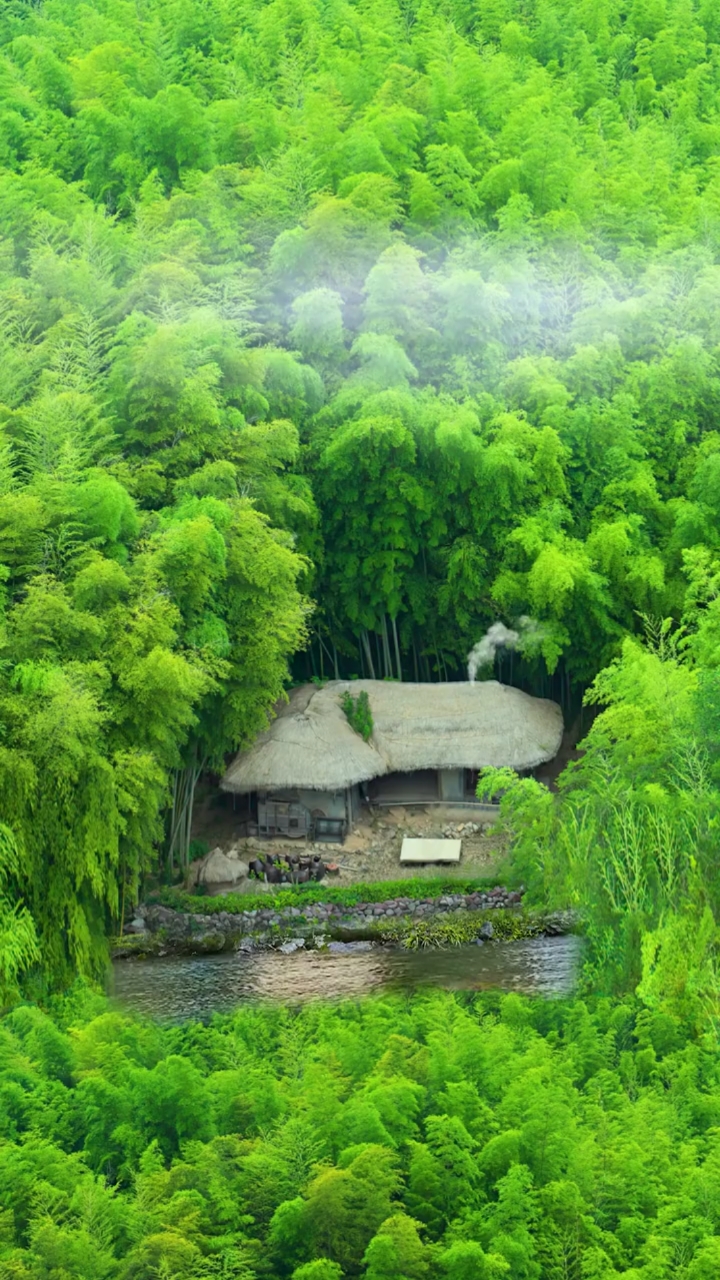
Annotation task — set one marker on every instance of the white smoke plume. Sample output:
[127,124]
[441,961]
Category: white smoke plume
[498,636]
[483,653]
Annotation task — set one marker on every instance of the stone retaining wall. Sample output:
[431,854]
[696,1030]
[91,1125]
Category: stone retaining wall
[161,930]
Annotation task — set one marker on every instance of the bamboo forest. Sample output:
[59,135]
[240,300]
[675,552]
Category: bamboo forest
[367,341]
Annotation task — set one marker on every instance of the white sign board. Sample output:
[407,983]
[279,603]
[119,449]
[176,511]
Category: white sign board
[430,850]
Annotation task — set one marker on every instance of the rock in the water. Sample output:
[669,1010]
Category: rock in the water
[292,944]
[218,868]
[210,942]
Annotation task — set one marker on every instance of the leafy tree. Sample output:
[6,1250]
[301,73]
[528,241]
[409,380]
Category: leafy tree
[396,1252]
[407,310]
[109,1164]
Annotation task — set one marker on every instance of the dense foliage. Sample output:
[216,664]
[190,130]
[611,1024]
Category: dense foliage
[467,252]
[435,1138]
[403,309]
[632,837]
[352,326]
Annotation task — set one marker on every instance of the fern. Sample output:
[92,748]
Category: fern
[19,947]
[7,467]
[662,637]
[79,360]
[63,435]
[66,550]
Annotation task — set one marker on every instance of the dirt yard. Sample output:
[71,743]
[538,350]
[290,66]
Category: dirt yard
[372,851]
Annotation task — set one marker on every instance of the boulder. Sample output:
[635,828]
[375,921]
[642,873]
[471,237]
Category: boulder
[193,871]
[236,851]
[218,868]
[292,944]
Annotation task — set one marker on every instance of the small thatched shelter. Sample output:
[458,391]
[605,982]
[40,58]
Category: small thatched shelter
[311,761]
[308,746]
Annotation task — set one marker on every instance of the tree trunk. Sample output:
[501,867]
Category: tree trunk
[173,811]
[332,657]
[386,648]
[186,780]
[122,902]
[397,649]
[365,639]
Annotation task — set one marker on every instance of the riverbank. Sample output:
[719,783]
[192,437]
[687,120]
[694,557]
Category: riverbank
[444,919]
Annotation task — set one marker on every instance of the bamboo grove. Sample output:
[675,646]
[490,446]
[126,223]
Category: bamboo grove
[330,333]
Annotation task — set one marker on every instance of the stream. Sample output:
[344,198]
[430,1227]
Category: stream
[194,987]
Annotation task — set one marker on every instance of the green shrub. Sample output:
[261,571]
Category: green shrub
[304,895]
[460,929]
[358,713]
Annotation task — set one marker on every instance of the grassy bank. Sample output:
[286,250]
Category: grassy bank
[461,929]
[305,895]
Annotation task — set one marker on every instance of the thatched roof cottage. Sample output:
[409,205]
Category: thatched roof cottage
[311,761]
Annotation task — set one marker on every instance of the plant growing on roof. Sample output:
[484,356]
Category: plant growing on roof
[358,713]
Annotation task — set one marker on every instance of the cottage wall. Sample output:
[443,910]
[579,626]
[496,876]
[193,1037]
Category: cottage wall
[451,784]
[332,803]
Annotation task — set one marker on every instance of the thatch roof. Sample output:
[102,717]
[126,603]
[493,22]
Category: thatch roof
[310,744]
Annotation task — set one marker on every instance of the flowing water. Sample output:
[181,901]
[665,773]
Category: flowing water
[176,988]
